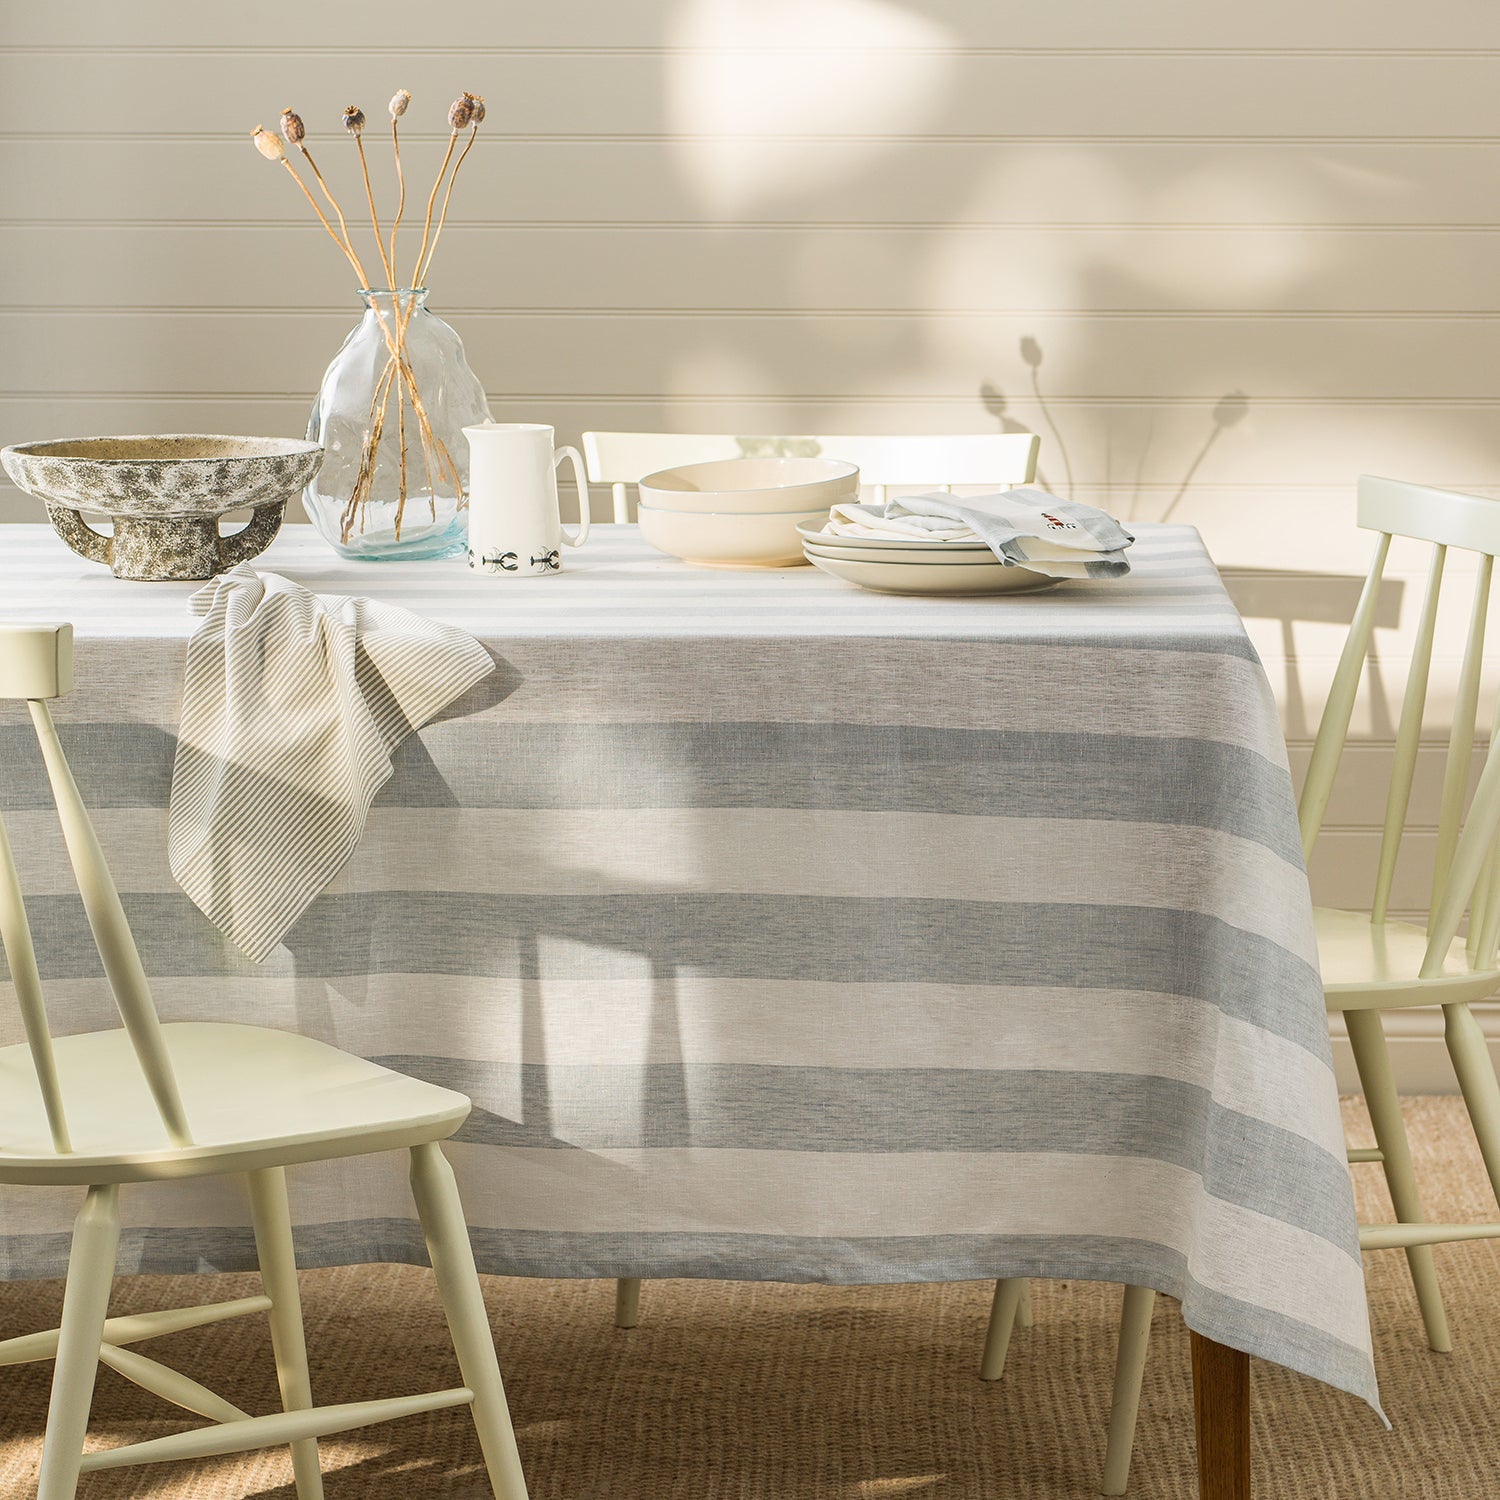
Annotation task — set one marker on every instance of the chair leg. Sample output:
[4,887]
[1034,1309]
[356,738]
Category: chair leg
[447,1234]
[91,1271]
[1007,1300]
[278,1274]
[1130,1370]
[627,1301]
[1476,1081]
[1024,1315]
[1367,1040]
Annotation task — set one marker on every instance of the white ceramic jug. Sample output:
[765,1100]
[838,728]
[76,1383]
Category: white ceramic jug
[515,528]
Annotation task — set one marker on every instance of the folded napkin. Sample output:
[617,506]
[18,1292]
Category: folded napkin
[292,704]
[1024,528]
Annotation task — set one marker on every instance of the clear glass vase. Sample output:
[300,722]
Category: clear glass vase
[390,415]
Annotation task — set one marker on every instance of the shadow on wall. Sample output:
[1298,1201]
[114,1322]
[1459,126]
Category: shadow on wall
[1228,412]
[1318,598]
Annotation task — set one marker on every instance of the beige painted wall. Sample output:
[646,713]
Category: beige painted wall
[1222,258]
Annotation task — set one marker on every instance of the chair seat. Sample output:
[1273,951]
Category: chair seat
[254,1097]
[1370,966]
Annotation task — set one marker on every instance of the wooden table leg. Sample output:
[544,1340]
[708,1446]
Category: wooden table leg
[1221,1401]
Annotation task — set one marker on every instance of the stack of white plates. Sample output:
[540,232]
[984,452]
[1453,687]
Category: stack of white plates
[891,565]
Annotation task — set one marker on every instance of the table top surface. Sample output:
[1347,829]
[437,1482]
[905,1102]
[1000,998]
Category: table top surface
[617,585]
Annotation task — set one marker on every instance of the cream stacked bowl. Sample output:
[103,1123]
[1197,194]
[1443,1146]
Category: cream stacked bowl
[742,512]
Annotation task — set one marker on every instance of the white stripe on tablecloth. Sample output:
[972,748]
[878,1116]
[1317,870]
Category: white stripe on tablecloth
[834,1195]
[619,586]
[791,852]
[766,1023]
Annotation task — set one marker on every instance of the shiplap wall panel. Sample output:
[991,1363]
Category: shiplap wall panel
[919,180]
[1132,458]
[583,92]
[1223,258]
[1081,272]
[470,26]
[807,354]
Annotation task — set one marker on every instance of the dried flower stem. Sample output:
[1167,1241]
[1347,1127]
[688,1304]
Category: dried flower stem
[364,167]
[431,200]
[443,217]
[333,203]
[322,217]
[434,450]
[401,185]
[401,448]
[365,479]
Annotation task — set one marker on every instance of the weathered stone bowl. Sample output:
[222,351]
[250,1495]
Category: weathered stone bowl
[165,496]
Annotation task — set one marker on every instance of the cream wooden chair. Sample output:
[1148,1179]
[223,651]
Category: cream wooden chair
[159,1103]
[1371,963]
[1002,460]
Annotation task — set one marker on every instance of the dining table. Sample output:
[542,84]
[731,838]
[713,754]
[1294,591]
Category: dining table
[779,930]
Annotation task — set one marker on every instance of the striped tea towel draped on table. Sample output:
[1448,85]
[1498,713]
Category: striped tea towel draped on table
[292,704]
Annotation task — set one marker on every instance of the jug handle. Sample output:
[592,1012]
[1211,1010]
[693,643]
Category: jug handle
[581,480]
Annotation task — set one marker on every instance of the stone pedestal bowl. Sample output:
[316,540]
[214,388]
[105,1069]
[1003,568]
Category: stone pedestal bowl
[165,496]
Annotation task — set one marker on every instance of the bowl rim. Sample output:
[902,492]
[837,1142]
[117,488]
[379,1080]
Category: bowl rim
[730,515]
[46,448]
[850,471]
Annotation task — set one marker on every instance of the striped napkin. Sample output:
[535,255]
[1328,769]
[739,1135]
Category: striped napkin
[292,705]
[1024,528]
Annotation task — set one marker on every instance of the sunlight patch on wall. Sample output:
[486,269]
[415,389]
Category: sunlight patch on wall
[1028,185]
[754,75]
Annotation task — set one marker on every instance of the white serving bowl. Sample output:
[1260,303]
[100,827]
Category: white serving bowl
[927,578]
[753,485]
[728,539]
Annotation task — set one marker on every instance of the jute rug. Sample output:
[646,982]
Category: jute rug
[768,1392]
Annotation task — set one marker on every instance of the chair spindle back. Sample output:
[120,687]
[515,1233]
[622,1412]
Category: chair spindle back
[36,665]
[1465,876]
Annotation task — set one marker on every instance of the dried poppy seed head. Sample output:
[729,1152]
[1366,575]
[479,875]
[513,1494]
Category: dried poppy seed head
[268,144]
[461,111]
[477,100]
[354,119]
[399,100]
[292,127]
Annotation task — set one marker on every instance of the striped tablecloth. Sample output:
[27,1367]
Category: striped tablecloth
[778,930]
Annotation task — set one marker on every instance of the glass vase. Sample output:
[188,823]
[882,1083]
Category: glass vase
[390,415]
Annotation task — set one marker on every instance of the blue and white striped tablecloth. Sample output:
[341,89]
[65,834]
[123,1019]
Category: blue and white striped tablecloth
[778,930]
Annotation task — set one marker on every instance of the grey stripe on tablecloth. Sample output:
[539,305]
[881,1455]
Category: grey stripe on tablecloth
[909,1109]
[782,930]
[855,768]
[1159,695]
[840,939]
